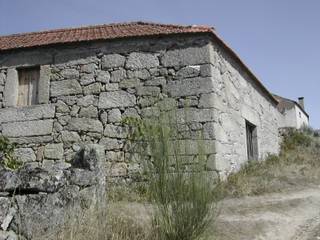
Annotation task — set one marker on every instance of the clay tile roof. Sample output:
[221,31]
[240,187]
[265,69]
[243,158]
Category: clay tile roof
[98,32]
[115,31]
[287,104]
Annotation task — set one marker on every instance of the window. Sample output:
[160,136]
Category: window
[252,141]
[28,86]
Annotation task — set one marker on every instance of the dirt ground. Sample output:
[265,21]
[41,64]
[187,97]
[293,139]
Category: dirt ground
[292,215]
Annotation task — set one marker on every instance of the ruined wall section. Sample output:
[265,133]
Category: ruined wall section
[237,98]
[92,87]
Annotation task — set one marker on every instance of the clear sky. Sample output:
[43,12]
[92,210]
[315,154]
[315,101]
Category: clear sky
[278,39]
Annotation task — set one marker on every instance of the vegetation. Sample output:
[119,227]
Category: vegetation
[297,165]
[179,188]
[7,158]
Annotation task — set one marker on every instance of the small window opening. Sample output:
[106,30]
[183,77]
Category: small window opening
[252,141]
[28,86]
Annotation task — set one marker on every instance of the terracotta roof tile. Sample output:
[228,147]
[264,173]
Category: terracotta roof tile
[99,32]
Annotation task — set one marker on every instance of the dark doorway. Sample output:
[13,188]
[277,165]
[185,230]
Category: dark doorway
[252,141]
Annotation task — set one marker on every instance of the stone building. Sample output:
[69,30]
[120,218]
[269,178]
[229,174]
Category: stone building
[62,88]
[294,113]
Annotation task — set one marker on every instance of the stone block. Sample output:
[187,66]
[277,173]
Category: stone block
[28,128]
[88,112]
[93,88]
[85,124]
[141,74]
[26,113]
[30,140]
[116,99]
[103,76]
[113,131]
[114,116]
[111,143]
[70,137]
[118,75]
[88,68]
[69,73]
[65,87]
[87,79]
[112,61]
[86,101]
[138,60]
[129,83]
[44,84]
[11,88]
[186,56]
[25,154]
[148,91]
[188,72]
[189,87]
[53,151]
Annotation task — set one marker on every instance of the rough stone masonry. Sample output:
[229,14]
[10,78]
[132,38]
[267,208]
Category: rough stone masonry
[87,89]
[43,202]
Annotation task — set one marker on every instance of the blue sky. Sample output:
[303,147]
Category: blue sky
[278,39]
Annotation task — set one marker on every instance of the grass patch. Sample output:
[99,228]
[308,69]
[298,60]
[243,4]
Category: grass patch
[297,165]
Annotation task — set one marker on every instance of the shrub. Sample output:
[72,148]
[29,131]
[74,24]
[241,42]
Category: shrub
[296,138]
[7,158]
[181,189]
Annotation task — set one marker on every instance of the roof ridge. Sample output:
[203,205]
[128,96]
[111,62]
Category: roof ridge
[143,23]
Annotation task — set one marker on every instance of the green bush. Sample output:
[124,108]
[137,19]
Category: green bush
[180,188]
[295,139]
[7,158]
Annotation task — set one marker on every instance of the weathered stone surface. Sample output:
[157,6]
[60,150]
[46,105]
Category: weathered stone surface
[53,151]
[69,73]
[44,84]
[103,76]
[113,131]
[116,99]
[93,88]
[87,79]
[86,101]
[188,72]
[65,87]
[85,124]
[28,128]
[61,107]
[25,154]
[70,137]
[111,143]
[112,61]
[148,91]
[188,87]
[129,83]
[88,68]
[141,74]
[114,116]
[88,112]
[186,56]
[195,115]
[11,88]
[118,75]
[46,198]
[26,113]
[138,60]
[159,81]
[28,140]
[206,101]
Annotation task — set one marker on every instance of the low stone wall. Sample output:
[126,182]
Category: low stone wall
[39,202]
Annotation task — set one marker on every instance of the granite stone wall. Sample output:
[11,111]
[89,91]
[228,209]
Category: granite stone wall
[85,91]
[238,99]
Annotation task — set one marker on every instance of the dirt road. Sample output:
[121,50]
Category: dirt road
[282,216]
